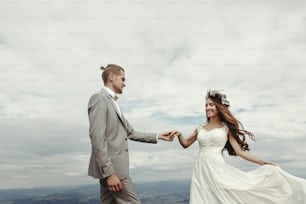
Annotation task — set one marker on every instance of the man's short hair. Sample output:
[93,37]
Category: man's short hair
[110,68]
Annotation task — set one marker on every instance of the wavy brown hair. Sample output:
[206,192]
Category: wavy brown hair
[235,127]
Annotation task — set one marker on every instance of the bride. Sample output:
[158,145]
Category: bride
[216,182]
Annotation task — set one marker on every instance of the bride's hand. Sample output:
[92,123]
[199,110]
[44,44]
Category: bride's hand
[268,163]
[175,133]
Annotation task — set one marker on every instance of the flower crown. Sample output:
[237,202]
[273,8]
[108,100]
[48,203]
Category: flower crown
[215,94]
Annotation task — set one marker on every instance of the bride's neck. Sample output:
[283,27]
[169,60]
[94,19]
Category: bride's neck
[215,120]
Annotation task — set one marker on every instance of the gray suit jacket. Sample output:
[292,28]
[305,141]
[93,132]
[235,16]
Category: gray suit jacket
[109,131]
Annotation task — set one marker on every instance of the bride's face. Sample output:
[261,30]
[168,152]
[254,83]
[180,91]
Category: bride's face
[210,108]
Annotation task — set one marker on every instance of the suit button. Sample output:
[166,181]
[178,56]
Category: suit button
[125,139]
[126,150]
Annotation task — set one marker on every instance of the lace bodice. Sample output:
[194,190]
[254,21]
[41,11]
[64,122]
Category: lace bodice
[214,139]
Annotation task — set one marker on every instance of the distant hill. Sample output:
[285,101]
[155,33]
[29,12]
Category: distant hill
[163,192]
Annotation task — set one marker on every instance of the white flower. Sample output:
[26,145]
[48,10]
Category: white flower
[216,94]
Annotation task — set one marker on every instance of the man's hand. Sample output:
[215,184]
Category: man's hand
[114,183]
[167,136]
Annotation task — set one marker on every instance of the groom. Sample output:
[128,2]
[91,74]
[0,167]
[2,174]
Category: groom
[109,132]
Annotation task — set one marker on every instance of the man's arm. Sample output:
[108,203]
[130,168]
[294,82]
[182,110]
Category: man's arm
[97,121]
[148,137]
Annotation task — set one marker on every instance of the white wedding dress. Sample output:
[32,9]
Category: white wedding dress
[216,182]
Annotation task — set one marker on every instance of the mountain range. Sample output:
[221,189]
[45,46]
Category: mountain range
[162,192]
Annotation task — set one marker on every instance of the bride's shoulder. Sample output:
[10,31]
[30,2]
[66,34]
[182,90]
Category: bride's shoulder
[225,126]
[201,126]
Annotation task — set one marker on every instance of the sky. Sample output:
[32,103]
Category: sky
[173,52]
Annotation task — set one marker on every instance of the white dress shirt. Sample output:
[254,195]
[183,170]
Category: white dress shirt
[113,95]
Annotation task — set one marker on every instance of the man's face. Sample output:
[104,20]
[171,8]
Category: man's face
[118,82]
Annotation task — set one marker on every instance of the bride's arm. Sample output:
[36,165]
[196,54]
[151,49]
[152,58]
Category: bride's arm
[189,141]
[245,154]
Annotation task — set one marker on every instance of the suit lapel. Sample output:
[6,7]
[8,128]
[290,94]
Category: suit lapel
[124,121]
[121,118]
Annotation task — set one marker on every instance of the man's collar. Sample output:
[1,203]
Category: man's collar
[110,92]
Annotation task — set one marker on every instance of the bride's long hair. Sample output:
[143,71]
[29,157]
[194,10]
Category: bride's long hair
[235,127]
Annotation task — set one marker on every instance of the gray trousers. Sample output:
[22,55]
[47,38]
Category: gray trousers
[127,195]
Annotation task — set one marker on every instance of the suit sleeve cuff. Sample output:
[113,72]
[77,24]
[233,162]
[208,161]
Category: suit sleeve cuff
[108,171]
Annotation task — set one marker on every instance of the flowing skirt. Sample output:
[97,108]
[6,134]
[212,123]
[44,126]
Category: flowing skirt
[216,182]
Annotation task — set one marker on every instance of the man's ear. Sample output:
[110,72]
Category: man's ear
[111,77]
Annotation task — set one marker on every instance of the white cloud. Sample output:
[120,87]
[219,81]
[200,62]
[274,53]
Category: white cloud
[172,51]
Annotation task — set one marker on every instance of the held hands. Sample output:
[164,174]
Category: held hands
[168,136]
